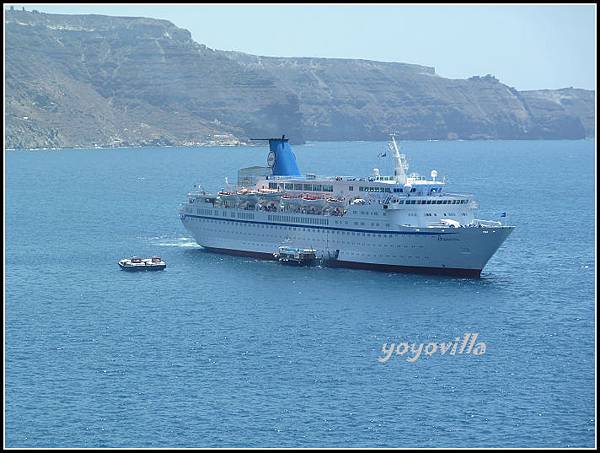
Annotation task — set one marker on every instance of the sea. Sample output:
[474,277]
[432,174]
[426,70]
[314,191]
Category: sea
[223,351]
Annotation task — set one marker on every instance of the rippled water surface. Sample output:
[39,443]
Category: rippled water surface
[228,351]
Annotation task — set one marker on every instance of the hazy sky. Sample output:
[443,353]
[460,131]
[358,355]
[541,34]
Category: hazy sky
[527,47]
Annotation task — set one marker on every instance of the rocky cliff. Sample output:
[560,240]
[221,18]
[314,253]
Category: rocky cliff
[549,106]
[85,80]
[89,80]
[366,100]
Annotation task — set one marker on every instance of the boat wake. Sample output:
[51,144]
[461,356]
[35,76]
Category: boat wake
[178,242]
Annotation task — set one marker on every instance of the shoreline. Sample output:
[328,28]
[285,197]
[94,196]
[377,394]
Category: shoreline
[243,144]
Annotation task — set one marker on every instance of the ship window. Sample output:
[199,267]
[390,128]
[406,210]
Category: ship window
[308,187]
[289,186]
[297,186]
[317,187]
[351,188]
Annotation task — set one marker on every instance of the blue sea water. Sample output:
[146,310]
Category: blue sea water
[221,351]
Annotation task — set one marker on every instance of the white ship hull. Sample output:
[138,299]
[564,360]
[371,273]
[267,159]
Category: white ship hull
[455,251]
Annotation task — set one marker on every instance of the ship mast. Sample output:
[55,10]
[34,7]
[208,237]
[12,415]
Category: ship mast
[400,163]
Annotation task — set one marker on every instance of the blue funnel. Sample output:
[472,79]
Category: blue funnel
[285,159]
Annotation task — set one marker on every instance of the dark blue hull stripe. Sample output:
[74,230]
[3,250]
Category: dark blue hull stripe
[322,227]
[455,272]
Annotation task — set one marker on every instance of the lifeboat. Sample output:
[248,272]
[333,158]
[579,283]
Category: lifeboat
[291,200]
[251,197]
[229,198]
[266,194]
[314,201]
[336,202]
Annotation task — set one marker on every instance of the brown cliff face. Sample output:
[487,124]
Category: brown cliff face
[548,106]
[85,80]
[81,81]
[366,100]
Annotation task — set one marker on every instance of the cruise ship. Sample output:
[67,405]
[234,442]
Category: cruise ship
[401,222]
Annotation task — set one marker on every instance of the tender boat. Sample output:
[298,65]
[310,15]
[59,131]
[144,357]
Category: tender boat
[296,256]
[136,263]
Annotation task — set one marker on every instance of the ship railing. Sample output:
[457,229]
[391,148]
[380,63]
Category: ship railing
[485,223]
[292,209]
[454,194]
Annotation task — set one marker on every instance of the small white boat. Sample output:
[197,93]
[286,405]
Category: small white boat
[136,263]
